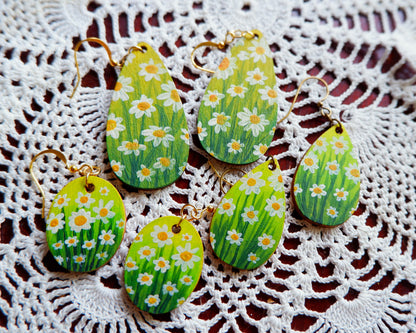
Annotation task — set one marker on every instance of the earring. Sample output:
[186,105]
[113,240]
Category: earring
[147,132]
[326,185]
[164,262]
[238,112]
[86,222]
[248,223]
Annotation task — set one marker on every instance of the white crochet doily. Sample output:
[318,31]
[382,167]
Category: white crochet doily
[359,277]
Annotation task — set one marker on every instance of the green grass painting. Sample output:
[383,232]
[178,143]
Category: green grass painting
[327,182]
[147,133]
[238,113]
[248,223]
[162,268]
[84,230]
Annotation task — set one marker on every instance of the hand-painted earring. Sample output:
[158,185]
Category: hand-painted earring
[147,133]
[86,222]
[238,113]
[248,223]
[164,263]
[326,185]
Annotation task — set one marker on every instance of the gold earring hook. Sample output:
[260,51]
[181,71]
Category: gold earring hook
[229,38]
[195,214]
[110,57]
[221,177]
[319,103]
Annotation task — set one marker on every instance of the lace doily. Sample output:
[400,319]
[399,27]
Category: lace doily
[357,277]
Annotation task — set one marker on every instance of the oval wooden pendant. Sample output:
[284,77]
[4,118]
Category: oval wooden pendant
[248,223]
[147,133]
[238,113]
[84,230]
[162,268]
[326,185]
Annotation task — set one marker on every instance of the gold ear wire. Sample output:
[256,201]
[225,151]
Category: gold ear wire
[221,177]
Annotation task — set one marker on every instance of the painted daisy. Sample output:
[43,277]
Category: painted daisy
[180,301]
[55,222]
[353,173]
[59,259]
[185,135]
[169,288]
[130,265]
[269,94]
[235,146]
[129,59]
[142,106]
[243,55]
[89,244]
[226,207]
[339,145]
[58,245]
[275,206]
[185,257]
[121,88]
[310,162]
[84,200]
[266,241]
[71,241]
[234,237]
[212,98]
[318,191]
[332,167]
[256,77]
[297,189]
[131,147]
[146,252]
[320,145]
[161,265]
[220,121]
[106,237]
[332,212]
[138,238]
[276,180]
[164,163]
[252,183]
[61,201]
[161,235]
[101,255]
[202,131]
[145,173]
[104,212]
[236,91]
[186,280]
[226,68]
[145,279]
[341,194]
[260,149]
[151,70]
[251,121]
[80,220]
[170,96]
[114,126]
[250,215]
[152,300]
[252,257]
[259,51]
[182,168]
[186,237]
[79,259]
[159,135]
[121,224]
[117,168]
[129,290]
[104,191]
[212,239]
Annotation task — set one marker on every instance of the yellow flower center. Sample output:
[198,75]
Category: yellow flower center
[152,300]
[280,179]
[146,172]
[83,199]
[309,161]
[164,161]
[254,119]
[143,106]
[132,145]
[199,129]
[339,144]
[181,301]
[58,245]
[272,93]
[226,206]
[71,241]
[186,280]
[263,149]
[340,194]
[238,90]
[251,215]
[121,224]
[221,119]
[130,264]
[187,135]
[115,168]
[234,237]
[257,77]
[332,212]
[317,190]
[213,98]
[103,212]
[253,258]
[211,239]
[162,236]
[251,182]
[265,241]
[107,237]
[275,206]
[61,201]
[161,264]
[146,252]
[88,244]
[151,69]
[295,188]
[319,143]
[159,133]
[129,290]
[54,223]
[79,259]
[80,220]
[332,167]
[175,96]
[355,173]
[186,237]
[260,50]
[169,288]
[235,145]
[111,124]
[225,63]
[145,278]
[186,255]
[118,86]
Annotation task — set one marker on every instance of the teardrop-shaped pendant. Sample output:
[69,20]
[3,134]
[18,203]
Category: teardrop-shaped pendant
[238,113]
[162,267]
[147,133]
[326,186]
[248,223]
[84,229]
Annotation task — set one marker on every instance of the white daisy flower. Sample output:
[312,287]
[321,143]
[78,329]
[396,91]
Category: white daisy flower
[121,224]
[101,255]
[185,257]
[297,189]
[130,265]
[226,207]
[186,280]
[145,279]
[310,162]
[212,239]
[170,288]
[250,215]
[131,147]
[130,290]
[145,173]
[161,265]
[202,131]
[266,241]
[114,126]
[122,88]
[180,301]
[318,191]
[170,96]
[59,259]
[58,245]
[117,168]
[104,212]
[276,180]
[332,167]
[226,68]
[275,206]
[182,168]
[55,222]
[252,257]
[269,94]
[320,145]
[260,149]
[151,70]
[71,241]
[130,59]
[235,146]
[80,220]
[138,238]
[89,244]
[353,173]
[162,235]
[251,121]
[252,183]
[61,201]
[79,259]
[260,51]
[142,106]
[243,55]
[341,194]
[158,135]
[236,91]
[146,252]
[234,237]
[152,300]
[212,98]
[256,77]
[104,191]
[106,237]
[84,200]
[339,145]
[220,121]
[186,237]
[164,163]
[185,135]
[332,212]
